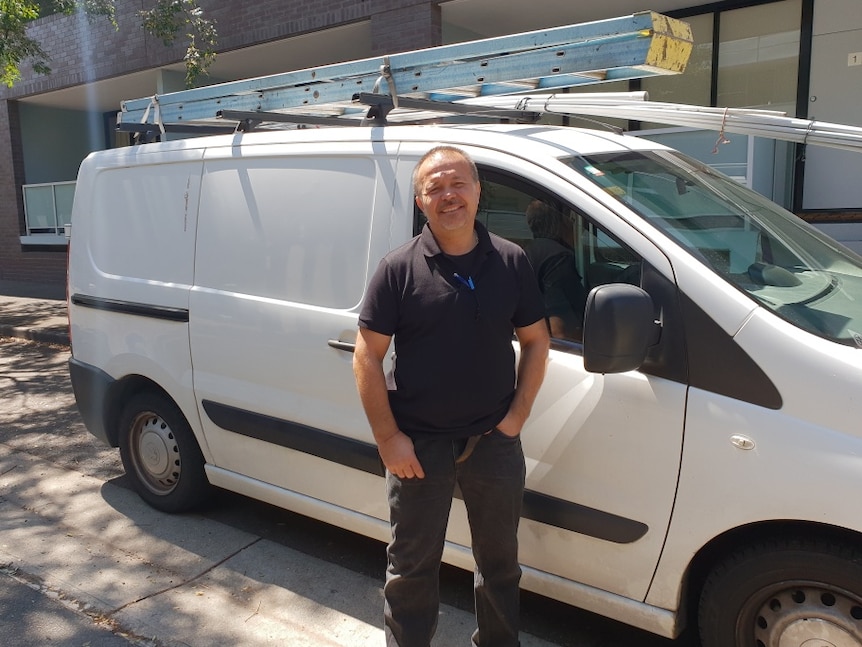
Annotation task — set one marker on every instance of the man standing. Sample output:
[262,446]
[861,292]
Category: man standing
[454,408]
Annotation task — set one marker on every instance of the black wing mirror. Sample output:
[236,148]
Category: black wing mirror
[619,328]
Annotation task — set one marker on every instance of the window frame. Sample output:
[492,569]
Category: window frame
[59,236]
[590,230]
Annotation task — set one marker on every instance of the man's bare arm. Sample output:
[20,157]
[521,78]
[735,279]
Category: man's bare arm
[535,342]
[395,447]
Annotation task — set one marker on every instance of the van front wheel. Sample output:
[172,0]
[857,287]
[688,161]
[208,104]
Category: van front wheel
[791,592]
[160,454]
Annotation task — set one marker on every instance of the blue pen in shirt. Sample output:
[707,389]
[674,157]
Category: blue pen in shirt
[468,281]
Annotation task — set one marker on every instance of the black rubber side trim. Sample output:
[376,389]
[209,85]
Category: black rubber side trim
[91,386]
[323,444]
[716,363]
[363,456]
[131,308]
[581,519]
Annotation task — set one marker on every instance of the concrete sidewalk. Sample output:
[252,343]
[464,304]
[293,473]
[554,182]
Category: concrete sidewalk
[175,579]
[34,311]
[171,580]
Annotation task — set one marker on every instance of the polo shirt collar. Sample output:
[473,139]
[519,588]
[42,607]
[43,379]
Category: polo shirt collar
[430,247]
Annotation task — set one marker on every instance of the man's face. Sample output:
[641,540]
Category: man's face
[447,193]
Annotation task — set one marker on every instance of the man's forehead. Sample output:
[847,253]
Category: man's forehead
[445,166]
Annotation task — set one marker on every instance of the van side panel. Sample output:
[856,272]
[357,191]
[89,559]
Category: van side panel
[283,256]
[131,266]
[803,461]
[292,229]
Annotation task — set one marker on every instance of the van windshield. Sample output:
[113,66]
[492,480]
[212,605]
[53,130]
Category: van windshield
[768,253]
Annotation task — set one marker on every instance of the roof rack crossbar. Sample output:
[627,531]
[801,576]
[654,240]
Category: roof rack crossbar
[198,129]
[250,120]
[380,106]
[444,107]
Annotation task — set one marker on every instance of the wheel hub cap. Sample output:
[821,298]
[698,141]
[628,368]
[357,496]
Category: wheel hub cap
[815,633]
[154,452]
[158,454]
[809,616]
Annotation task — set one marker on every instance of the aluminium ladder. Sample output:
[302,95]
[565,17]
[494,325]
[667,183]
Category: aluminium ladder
[642,44]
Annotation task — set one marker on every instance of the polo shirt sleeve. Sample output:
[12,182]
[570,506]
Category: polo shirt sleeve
[379,311]
[531,305]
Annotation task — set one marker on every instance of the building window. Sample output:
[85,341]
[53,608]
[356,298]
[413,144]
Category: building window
[756,64]
[745,57]
[758,56]
[47,209]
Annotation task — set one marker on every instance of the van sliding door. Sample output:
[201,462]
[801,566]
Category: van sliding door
[287,237]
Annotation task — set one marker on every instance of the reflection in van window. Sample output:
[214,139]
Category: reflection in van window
[767,252]
[569,254]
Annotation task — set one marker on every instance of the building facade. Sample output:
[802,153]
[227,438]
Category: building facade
[803,57]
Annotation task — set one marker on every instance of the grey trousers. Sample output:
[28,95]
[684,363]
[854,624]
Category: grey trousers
[491,481]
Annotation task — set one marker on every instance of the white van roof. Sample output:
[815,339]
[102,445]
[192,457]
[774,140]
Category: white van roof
[535,141]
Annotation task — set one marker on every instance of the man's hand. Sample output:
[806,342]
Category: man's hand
[511,424]
[398,456]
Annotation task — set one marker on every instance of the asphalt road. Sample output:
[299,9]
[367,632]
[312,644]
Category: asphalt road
[38,416]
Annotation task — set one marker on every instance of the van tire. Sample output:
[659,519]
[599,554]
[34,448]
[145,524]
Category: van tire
[160,454]
[784,592]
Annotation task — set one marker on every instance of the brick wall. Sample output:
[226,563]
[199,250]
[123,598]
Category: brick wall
[16,265]
[82,50]
[401,29]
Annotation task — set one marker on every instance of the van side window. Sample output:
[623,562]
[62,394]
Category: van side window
[569,253]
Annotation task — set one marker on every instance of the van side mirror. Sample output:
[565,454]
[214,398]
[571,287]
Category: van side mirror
[619,328]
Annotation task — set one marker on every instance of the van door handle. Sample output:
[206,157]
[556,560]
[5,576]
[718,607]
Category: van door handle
[342,345]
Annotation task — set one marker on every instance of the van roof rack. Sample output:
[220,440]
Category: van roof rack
[430,82]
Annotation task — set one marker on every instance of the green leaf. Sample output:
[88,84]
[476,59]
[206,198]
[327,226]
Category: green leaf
[166,20]
[170,17]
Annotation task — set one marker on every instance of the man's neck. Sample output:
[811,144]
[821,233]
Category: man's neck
[457,243]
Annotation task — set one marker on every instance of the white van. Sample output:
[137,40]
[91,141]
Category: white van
[696,457]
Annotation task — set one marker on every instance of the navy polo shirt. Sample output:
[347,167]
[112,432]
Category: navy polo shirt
[455,366]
